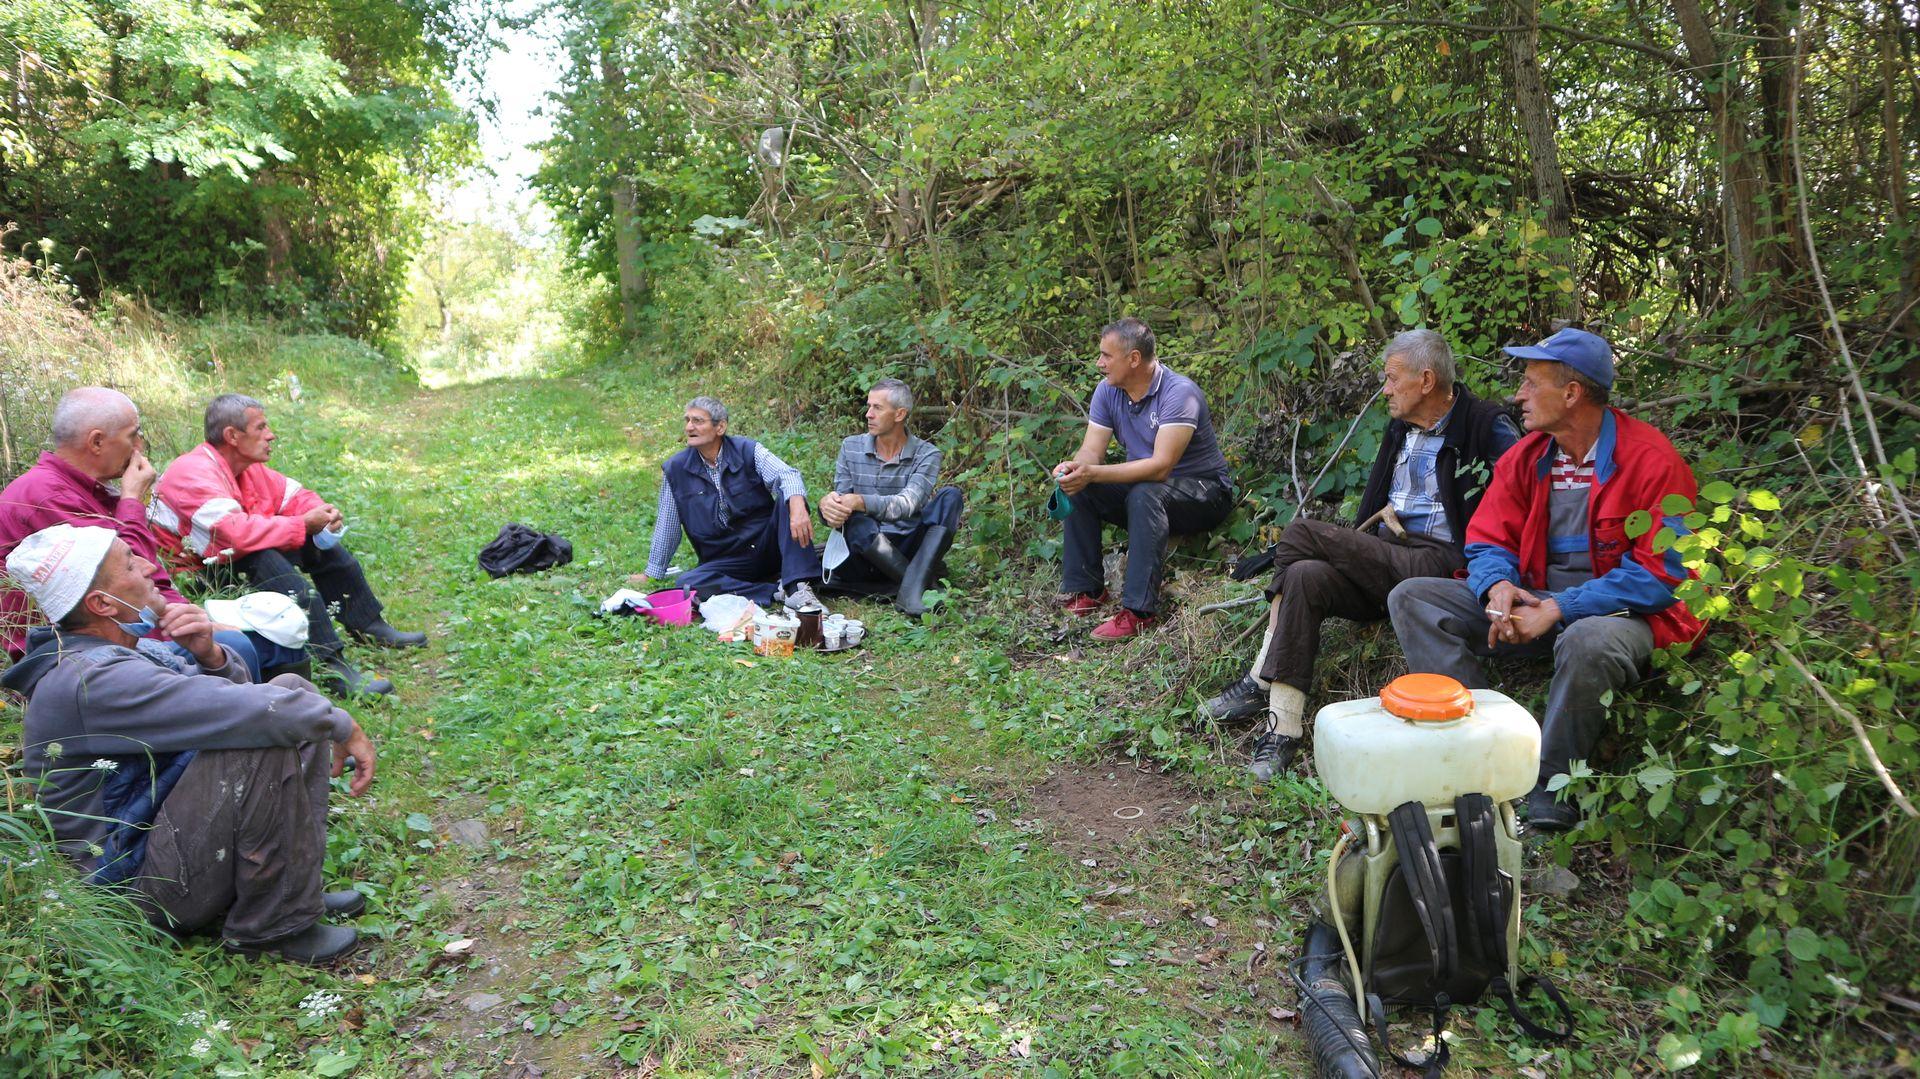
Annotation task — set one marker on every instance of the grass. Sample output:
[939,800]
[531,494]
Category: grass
[697,862]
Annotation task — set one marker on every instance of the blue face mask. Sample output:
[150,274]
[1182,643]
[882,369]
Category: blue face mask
[149,620]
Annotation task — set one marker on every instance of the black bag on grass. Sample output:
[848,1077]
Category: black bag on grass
[519,549]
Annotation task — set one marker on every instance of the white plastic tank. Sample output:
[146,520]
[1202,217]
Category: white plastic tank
[1426,739]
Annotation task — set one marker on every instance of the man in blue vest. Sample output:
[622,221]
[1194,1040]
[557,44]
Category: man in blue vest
[724,493]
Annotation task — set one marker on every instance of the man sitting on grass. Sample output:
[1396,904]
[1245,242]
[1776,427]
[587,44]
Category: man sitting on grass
[221,504]
[1551,568]
[1174,480]
[202,793]
[1437,455]
[725,493]
[885,504]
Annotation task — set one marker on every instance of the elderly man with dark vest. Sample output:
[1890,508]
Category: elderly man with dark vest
[1435,459]
[725,493]
[1553,567]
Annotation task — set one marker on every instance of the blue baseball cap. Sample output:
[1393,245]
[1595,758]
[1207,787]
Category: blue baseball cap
[1585,352]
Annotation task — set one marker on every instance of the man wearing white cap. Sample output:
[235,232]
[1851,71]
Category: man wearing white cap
[201,792]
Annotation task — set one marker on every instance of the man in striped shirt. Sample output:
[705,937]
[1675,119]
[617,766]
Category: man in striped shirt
[725,493]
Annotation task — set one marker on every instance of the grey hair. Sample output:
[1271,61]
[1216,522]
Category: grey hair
[715,411]
[228,410]
[1594,392]
[88,409]
[899,394]
[1134,335]
[1423,350]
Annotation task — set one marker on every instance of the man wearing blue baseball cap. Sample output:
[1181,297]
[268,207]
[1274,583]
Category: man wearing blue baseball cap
[1551,566]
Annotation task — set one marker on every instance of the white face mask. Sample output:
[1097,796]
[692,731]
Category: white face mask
[836,551]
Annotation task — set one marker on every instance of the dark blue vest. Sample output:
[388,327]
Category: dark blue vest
[749,504]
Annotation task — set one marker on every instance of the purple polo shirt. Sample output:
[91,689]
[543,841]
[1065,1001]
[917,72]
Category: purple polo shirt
[1172,400]
[54,492]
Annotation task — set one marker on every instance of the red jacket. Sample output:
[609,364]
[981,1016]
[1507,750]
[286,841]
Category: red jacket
[54,492]
[1634,468]
[203,513]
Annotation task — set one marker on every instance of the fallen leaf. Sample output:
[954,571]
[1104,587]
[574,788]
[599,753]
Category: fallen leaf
[459,947]
[1022,1048]
[367,979]
[746,662]
[1281,1014]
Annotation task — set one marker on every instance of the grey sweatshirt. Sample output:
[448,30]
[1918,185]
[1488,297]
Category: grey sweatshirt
[109,729]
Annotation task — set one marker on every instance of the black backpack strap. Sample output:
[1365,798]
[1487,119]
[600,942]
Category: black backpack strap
[1426,881]
[1487,913]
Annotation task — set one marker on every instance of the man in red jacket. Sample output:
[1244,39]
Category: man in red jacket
[221,505]
[1551,566]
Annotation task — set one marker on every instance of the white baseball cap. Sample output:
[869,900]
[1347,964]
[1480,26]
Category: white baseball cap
[273,615]
[56,565]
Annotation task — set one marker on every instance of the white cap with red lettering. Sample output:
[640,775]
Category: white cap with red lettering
[56,565]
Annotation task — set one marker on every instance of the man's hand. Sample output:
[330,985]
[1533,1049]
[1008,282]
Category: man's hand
[1503,600]
[836,508]
[188,626]
[137,481]
[1072,476]
[801,521]
[360,748]
[1534,621]
[319,517]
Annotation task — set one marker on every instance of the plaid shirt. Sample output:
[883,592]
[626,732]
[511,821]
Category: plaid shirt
[1415,495]
[894,490]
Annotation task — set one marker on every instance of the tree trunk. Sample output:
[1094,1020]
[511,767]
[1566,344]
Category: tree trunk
[1742,191]
[1535,108]
[620,191]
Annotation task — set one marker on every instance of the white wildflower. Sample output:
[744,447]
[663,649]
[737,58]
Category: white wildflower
[194,1019]
[319,1004]
[105,765]
[222,1026]
[201,1047]
[53,751]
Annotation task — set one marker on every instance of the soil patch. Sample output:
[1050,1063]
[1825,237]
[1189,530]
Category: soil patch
[1098,811]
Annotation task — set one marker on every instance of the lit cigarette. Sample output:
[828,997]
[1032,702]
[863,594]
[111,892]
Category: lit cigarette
[1497,616]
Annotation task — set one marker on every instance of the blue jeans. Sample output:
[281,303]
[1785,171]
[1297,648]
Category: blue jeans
[239,643]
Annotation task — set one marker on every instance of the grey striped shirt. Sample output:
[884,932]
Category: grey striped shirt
[893,490]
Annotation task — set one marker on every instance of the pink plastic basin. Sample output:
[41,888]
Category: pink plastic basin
[670,607]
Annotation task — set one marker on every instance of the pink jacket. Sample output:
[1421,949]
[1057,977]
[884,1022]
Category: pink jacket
[203,513]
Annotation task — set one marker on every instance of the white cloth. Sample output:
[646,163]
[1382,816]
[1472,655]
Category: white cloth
[274,615]
[56,565]
[626,597]
[836,553]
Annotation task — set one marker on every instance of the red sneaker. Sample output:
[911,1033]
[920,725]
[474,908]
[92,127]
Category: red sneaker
[1121,626]
[1079,603]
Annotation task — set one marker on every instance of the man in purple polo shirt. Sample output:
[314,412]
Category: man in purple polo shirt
[1174,480]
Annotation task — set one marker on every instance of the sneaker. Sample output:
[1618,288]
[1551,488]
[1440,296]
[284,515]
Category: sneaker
[1546,814]
[316,945]
[1272,754]
[1239,702]
[1123,625]
[800,597]
[1083,605]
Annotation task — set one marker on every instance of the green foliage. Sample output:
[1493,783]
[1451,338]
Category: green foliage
[231,153]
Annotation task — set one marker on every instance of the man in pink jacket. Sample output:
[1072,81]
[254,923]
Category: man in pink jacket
[222,505]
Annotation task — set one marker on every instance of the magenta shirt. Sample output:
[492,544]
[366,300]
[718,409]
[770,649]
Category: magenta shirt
[54,492]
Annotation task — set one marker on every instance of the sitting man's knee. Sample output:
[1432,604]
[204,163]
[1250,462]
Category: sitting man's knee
[1303,573]
[1146,495]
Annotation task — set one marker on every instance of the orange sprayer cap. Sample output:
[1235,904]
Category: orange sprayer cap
[1426,697]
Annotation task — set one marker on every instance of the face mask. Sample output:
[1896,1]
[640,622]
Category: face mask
[149,620]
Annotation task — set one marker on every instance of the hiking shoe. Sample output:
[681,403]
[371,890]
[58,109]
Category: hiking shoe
[1546,814]
[800,597]
[1122,626]
[1082,605]
[381,633]
[1239,702]
[316,945]
[1272,754]
[344,903]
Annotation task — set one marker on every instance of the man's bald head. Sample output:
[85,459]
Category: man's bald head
[88,409]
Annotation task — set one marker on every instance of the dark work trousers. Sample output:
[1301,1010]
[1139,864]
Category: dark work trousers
[1150,512]
[336,579]
[244,833]
[1442,627]
[856,576]
[1323,570]
[775,558]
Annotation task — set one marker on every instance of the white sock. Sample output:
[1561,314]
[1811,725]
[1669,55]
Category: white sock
[1266,641]
[1286,710]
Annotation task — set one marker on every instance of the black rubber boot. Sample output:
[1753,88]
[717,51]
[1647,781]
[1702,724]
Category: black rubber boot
[316,945]
[344,903]
[913,583]
[378,632]
[342,679]
[884,557]
[304,669]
